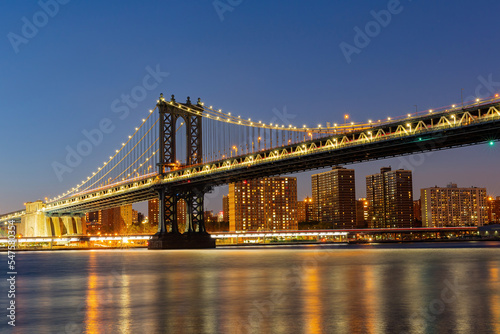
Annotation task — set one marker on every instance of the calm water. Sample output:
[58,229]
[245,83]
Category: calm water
[420,288]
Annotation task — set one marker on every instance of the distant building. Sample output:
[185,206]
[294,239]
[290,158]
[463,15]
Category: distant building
[305,212]
[362,207]
[140,217]
[153,211]
[494,210]
[135,216]
[417,209]
[390,197]
[214,222]
[453,206]
[334,197]
[225,208]
[116,220]
[92,217]
[210,217]
[93,223]
[263,204]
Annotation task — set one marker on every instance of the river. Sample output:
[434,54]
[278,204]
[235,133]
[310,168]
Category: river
[402,288]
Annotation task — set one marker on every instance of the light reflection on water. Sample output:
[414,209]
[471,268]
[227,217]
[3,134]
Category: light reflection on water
[323,289]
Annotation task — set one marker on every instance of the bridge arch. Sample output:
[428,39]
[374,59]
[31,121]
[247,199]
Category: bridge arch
[170,113]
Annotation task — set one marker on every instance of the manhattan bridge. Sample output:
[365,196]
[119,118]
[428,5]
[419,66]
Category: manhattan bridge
[181,150]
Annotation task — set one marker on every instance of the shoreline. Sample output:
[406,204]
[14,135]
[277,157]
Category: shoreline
[274,244]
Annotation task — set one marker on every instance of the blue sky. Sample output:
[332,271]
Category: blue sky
[249,57]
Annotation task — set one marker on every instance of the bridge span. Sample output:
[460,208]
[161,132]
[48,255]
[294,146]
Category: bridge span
[147,166]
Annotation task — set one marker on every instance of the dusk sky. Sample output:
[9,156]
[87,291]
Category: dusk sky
[61,73]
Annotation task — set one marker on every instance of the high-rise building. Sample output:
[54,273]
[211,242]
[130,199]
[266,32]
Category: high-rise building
[225,208]
[334,197]
[263,204]
[153,211]
[305,210]
[494,210]
[92,222]
[453,206]
[116,220]
[390,198]
[135,216]
[362,207]
[417,212]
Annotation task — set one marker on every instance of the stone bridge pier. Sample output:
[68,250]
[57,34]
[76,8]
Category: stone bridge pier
[36,223]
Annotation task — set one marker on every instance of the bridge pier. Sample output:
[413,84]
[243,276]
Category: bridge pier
[36,223]
[168,235]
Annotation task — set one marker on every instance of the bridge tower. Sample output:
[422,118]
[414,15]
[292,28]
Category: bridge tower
[168,235]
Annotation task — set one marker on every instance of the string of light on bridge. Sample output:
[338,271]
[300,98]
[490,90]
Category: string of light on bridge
[224,136]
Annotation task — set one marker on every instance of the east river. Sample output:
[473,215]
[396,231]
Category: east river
[409,288]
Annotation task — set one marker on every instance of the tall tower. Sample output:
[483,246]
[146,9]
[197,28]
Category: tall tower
[334,197]
[390,197]
[192,115]
[168,195]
